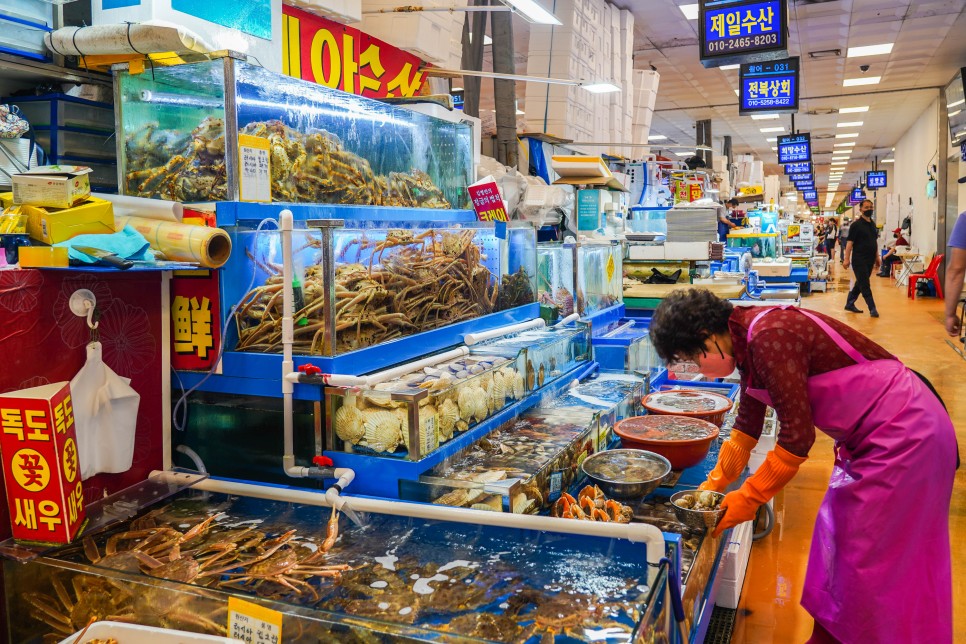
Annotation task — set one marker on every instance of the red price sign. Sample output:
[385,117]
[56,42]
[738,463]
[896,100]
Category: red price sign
[487,202]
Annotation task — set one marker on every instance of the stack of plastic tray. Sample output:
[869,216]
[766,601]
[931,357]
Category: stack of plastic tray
[74,131]
[23,24]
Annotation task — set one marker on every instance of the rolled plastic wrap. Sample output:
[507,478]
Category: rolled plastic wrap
[124,39]
[148,208]
[209,247]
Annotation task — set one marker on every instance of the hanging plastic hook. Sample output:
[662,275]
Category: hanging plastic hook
[83,303]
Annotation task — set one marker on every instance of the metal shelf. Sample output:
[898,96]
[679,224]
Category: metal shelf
[15,68]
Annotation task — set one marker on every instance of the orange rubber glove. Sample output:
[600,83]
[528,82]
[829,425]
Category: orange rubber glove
[732,460]
[779,468]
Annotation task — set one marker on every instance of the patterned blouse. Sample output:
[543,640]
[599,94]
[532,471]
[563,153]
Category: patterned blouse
[786,349]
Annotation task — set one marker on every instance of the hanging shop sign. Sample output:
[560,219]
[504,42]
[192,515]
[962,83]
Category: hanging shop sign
[771,86]
[195,320]
[340,57]
[805,176]
[857,196]
[809,195]
[805,185]
[742,31]
[41,472]
[794,148]
[875,179]
[801,167]
[487,201]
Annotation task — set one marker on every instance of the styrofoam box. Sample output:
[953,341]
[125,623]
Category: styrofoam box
[734,564]
[134,634]
[343,11]
[687,250]
[640,251]
[426,35]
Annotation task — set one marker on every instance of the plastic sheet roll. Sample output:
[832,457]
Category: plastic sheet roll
[146,208]
[124,39]
[209,247]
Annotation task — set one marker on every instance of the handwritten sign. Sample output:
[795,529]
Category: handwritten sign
[254,169]
[252,623]
[340,57]
[487,201]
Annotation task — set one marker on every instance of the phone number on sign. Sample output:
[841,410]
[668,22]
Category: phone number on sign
[769,102]
[742,43]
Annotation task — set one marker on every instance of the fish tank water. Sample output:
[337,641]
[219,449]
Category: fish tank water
[389,280]
[389,579]
[183,128]
[582,277]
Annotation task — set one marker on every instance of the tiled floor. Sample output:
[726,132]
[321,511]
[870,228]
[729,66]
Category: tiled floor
[769,610]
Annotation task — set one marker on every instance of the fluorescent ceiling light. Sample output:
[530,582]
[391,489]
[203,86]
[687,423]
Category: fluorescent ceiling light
[457,89]
[870,80]
[952,114]
[690,11]
[959,102]
[775,149]
[839,163]
[656,137]
[773,139]
[763,117]
[601,88]
[853,110]
[850,124]
[521,113]
[888,160]
[847,135]
[685,154]
[850,144]
[487,40]
[725,66]
[765,130]
[870,50]
[533,12]
[840,158]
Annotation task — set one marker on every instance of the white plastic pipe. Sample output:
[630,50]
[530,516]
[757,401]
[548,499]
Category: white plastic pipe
[473,338]
[626,325]
[634,532]
[340,380]
[288,335]
[573,317]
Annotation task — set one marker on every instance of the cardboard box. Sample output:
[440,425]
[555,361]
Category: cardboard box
[38,447]
[43,257]
[52,226]
[52,186]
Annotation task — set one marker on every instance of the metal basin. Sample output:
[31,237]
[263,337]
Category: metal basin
[617,484]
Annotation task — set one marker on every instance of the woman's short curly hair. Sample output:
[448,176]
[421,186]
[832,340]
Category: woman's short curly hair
[685,320]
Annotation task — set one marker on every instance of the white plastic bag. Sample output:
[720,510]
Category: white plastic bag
[105,416]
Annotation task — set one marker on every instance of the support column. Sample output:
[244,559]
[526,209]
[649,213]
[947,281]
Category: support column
[474,27]
[703,137]
[504,91]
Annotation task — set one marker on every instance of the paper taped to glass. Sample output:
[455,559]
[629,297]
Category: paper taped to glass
[209,247]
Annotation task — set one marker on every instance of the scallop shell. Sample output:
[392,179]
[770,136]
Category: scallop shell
[485,507]
[381,398]
[383,430]
[513,383]
[521,503]
[482,405]
[462,425]
[348,424]
[449,413]
[474,369]
[497,392]
[469,403]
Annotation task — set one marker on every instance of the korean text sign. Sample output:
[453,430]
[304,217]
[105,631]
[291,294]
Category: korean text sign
[770,86]
[875,179]
[195,320]
[801,167]
[857,196]
[487,201]
[340,57]
[38,445]
[742,30]
[794,148]
[805,176]
[809,195]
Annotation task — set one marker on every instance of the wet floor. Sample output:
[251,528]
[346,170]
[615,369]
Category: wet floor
[769,610]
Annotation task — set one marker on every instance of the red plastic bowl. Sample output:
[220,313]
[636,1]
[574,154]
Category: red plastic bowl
[677,401]
[656,433]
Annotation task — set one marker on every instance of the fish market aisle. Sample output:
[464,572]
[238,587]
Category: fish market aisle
[769,610]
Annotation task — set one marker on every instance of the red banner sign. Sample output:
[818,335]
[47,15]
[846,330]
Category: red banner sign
[340,57]
[487,202]
[195,320]
[38,443]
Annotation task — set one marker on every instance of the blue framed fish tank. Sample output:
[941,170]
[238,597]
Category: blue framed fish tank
[181,132]
[579,277]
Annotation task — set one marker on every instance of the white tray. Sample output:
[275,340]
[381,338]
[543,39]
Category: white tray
[135,634]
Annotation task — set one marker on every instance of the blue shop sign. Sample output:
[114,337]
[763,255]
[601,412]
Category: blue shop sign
[875,179]
[857,196]
[770,86]
[798,168]
[739,31]
[794,148]
[805,176]
[809,195]
[805,185]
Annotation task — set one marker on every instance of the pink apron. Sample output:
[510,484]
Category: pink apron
[879,569]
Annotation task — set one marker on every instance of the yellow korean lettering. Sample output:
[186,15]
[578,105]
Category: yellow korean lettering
[25,514]
[324,42]
[786,88]
[49,511]
[12,422]
[765,16]
[405,81]
[181,314]
[718,24]
[748,22]
[350,68]
[370,59]
[734,23]
[37,424]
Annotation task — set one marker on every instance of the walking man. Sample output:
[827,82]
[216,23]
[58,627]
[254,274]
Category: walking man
[843,237]
[862,253]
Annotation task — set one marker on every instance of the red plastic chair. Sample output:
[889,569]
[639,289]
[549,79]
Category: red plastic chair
[932,273]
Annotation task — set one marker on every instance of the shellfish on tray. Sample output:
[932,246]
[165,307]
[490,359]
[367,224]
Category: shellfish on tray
[383,430]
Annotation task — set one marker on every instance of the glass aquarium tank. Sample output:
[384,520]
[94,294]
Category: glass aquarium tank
[626,345]
[413,414]
[549,352]
[616,394]
[760,245]
[366,283]
[520,467]
[189,132]
[579,277]
[389,579]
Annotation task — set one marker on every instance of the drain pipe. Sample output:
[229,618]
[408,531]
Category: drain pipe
[573,317]
[634,532]
[474,338]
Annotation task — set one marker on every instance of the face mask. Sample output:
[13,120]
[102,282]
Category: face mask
[867,213]
[716,365]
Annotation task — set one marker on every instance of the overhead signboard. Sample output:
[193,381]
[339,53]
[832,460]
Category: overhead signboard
[805,176]
[771,86]
[798,168]
[809,195]
[742,31]
[857,196]
[794,148]
[875,179]
[805,185]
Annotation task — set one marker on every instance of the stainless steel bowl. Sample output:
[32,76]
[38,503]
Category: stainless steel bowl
[697,519]
[623,489]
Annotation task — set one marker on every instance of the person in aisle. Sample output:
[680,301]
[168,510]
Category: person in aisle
[862,254]
[955,272]
[725,224]
[895,459]
[843,237]
[831,237]
[891,257]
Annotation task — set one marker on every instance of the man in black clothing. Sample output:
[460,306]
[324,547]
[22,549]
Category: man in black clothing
[862,252]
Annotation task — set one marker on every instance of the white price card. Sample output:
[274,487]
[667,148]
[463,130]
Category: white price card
[252,623]
[254,169]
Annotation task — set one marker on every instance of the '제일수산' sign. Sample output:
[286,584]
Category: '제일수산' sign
[739,31]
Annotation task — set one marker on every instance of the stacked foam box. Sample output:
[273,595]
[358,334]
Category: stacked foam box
[436,37]
[343,11]
[646,82]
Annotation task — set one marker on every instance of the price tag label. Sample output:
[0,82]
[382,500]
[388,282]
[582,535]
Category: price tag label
[611,267]
[254,169]
[252,623]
